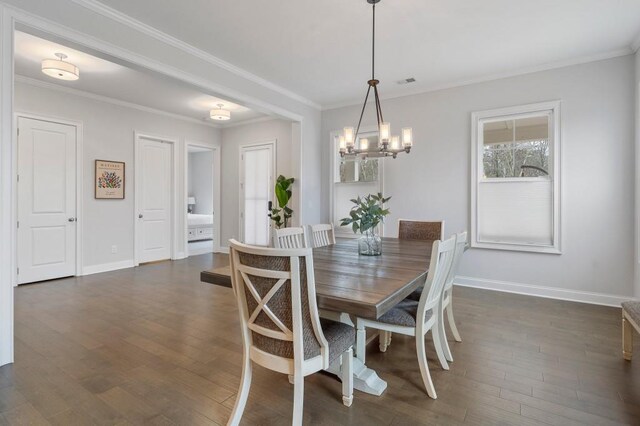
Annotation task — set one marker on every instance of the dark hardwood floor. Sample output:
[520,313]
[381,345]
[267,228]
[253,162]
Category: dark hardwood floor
[153,345]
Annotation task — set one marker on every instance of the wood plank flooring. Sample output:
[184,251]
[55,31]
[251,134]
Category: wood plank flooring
[153,345]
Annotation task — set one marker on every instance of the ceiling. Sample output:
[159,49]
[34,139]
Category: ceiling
[104,78]
[321,49]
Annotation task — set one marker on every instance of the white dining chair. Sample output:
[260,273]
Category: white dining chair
[322,235]
[417,318]
[281,328]
[290,238]
[447,296]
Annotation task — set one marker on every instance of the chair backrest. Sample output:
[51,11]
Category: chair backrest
[441,258]
[461,243]
[420,230]
[322,235]
[276,295]
[290,238]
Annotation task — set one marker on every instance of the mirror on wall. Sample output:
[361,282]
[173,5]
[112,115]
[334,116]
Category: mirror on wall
[358,169]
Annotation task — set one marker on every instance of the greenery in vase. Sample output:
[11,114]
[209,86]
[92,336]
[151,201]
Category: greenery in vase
[367,213]
[282,213]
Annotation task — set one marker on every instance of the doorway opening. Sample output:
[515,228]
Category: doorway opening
[202,215]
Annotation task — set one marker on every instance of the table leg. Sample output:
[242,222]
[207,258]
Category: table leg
[364,379]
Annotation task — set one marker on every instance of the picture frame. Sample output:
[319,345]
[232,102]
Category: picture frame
[109,180]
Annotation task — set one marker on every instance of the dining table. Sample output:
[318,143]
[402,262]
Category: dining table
[350,285]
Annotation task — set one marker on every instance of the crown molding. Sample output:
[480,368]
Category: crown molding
[249,121]
[115,15]
[498,76]
[52,86]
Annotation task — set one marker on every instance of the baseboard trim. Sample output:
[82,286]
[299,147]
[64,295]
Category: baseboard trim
[541,291]
[223,249]
[106,267]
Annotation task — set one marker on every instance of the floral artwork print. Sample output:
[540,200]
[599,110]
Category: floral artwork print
[109,180]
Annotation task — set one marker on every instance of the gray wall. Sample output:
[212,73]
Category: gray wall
[200,181]
[597,172]
[109,135]
[232,139]
[637,151]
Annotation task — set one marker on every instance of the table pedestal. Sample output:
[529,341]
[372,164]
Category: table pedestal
[364,379]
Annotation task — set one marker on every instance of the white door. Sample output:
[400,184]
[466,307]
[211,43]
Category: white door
[256,188]
[46,200]
[154,194]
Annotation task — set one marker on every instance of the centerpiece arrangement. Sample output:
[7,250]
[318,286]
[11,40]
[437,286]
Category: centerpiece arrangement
[365,216]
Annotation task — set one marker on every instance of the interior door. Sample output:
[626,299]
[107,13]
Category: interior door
[256,188]
[154,193]
[46,200]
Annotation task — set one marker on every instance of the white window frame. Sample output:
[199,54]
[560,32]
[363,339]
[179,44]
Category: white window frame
[477,145]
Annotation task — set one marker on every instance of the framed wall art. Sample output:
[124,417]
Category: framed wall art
[110,180]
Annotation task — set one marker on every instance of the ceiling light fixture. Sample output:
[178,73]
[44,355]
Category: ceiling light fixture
[220,114]
[58,68]
[388,145]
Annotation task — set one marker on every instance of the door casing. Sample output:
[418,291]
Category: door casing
[138,137]
[79,182]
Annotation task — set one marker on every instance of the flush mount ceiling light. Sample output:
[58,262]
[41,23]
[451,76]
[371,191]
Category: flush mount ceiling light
[220,114]
[58,68]
[388,145]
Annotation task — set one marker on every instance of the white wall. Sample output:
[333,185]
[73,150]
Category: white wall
[108,134]
[200,179]
[232,139]
[597,175]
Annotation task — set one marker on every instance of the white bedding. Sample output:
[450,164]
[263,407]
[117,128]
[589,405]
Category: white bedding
[199,219]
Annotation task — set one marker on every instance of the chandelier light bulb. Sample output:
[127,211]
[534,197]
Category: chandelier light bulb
[407,137]
[364,143]
[395,142]
[348,136]
[385,132]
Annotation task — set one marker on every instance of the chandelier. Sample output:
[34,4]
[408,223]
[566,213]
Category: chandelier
[388,145]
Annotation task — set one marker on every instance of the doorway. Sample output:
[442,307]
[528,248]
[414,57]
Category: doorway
[47,199]
[154,199]
[202,192]
[257,166]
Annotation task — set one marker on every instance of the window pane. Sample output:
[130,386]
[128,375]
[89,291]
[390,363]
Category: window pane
[516,148]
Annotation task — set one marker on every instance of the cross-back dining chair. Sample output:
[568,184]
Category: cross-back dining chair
[447,296]
[418,318]
[281,328]
[290,238]
[322,235]
[420,230]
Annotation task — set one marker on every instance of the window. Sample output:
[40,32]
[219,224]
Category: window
[515,198]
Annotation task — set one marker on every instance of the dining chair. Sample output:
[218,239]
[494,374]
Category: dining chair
[414,230]
[322,235]
[281,328]
[416,319]
[290,238]
[447,296]
[420,230]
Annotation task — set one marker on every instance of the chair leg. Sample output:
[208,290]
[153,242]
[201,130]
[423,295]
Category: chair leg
[452,323]
[361,341]
[243,392]
[424,367]
[437,342]
[385,340]
[298,399]
[627,339]
[347,377]
[444,344]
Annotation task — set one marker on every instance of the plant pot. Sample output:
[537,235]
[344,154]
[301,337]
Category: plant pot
[370,244]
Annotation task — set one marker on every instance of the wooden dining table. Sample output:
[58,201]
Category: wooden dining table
[350,285]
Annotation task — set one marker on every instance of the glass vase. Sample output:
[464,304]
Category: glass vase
[370,244]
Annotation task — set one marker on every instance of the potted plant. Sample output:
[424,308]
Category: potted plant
[364,217]
[282,213]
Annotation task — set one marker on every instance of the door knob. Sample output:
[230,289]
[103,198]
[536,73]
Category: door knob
[140,216]
[72,219]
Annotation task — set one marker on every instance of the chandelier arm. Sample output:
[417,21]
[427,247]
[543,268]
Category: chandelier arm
[364,106]
[378,106]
